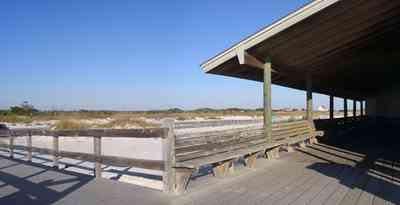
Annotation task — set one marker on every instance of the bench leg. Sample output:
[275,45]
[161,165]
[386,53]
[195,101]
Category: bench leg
[251,160]
[231,168]
[272,153]
[222,168]
[288,148]
[302,144]
[313,140]
[182,179]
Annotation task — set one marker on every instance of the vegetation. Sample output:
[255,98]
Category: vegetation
[24,109]
[15,118]
[127,123]
[70,124]
[27,113]
[18,114]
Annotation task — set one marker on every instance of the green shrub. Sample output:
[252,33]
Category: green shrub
[12,118]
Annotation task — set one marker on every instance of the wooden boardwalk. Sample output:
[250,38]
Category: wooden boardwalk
[360,170]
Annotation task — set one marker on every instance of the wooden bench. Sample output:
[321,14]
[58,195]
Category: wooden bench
[221,148]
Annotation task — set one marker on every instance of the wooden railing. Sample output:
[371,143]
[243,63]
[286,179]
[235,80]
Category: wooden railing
[165,134]
[176,149]
[338,123]
[214,123]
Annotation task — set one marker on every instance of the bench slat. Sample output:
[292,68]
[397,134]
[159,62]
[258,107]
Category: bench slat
[208,147]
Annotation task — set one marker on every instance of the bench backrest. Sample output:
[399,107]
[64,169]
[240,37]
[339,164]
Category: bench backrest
[287,132]
[204,144]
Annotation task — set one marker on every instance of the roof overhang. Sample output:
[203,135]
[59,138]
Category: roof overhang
[345,45]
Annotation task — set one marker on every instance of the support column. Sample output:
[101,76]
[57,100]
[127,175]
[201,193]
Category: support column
[331,108]
[309,114]
[361,109]
[345,108]
[267,101]
[354,109]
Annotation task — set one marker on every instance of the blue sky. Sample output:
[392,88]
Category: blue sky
[131,55]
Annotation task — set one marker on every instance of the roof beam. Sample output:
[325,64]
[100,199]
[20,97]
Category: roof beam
[249,60]
[284,23]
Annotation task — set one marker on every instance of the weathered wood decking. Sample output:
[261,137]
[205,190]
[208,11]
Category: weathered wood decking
[363,169]
[318,174]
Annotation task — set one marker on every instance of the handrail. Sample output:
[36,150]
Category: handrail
[129,133]
[96,156]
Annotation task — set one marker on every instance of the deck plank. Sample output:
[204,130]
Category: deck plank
[371,188]
[344,188]
[331,187]
[300,195]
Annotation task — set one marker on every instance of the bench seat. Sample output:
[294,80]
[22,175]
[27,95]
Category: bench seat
[221,148]
[198,162]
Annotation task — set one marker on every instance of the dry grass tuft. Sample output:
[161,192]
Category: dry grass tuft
[69,125]
[126,123]
[15,119]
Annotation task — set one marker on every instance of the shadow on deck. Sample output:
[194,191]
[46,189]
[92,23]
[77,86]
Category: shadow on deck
[373,153]
[360,166]
[28,183]
[22,182]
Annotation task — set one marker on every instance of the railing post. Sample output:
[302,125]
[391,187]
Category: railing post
[354,109]
[97,154]
[168,146]
[331,107]
[11,147]
[361,109]
[345,109]
[309,98]
[55,151]
[29,145]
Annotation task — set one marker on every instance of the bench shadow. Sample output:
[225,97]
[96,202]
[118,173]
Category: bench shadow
[36,184]
[127,172]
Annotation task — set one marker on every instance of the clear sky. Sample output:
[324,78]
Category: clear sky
[131,55]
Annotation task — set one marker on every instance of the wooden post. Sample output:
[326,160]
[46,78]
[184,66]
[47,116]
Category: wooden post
[309,114]
[55,151]
[168,143]
[345,109]
[354,109]
[97,154]
[361,109]
[331,107]
[29,144]
[11,148]
[267,101]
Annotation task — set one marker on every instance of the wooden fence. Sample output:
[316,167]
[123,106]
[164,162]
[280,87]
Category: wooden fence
[165,134]
[214,123]
[338,123]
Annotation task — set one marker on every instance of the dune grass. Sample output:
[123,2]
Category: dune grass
[69,125]
[127,122]
[15,119]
